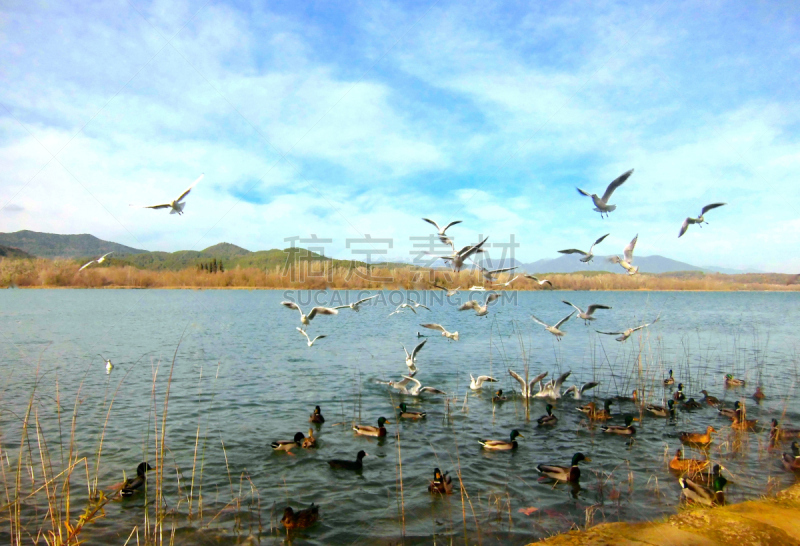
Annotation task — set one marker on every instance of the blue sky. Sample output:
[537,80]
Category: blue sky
[347,119]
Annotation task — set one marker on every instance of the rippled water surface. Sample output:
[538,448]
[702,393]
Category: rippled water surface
[243,377]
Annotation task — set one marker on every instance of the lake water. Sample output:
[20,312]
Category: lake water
[244,377]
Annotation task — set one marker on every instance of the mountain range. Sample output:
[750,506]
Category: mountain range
[29,244]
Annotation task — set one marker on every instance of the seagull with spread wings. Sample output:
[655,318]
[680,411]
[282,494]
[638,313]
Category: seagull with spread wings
[627,333]
[411,359]
[587,256]
[541,282]
[527,387]
[480,310]
[418,389]
[305,320]
[507,284]
[700,220]
[554,329]
[450,291]
[449,335]
[99,260]
[578,392]
[476,383]
[355,304]
[627,261]
[489,274]
[441,231]
[601,203]
[308,339]
[176,205]
[588,315]
[552,389]
[457,259]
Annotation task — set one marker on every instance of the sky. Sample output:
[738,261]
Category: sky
[348,120]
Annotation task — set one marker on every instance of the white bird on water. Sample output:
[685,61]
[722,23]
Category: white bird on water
[476,383]
[601,203]
[445,333]
[577,393]
[527,388]
[541,282]
[418,389]
[176,205]
[587,256]
[411,359]
[552,389]
[354,306]
[627,261]
[588,315]
[99,260]
[480,310]
[627,333]
[399,385]
[554,329]
[700,220]
[109,365]
[457,259]
[441,231]
[308,339]
[305,320]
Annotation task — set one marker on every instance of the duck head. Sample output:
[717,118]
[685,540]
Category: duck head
[515,434]
[142,469]
[299,437]
[578,457]
[382,421]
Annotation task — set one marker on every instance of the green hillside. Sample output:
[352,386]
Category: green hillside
[52,245]
[13,253]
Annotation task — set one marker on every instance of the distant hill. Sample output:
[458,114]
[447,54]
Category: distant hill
[51,245]
[13,253]
[571,264]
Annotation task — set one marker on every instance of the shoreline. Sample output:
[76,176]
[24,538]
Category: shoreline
[406,289]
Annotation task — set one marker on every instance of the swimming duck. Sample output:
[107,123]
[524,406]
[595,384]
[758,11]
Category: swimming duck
[694,491]
[731,381]
[697,438]
[502,445]
[778,433]
[678,395]
[791,462]
[741,423]
[690,405]
[349,465]
[759,395]
[368,430]
[634,397]
[670,380]
[498,397]
[689,466]
[301,519]
[309,441]
[131,485]
[661,411]
[564,473]
[549,419]
[628,429]
[730,413]
[317,417]
[441,483]
[288,445]
[603,414]
[710,400]
[405,414]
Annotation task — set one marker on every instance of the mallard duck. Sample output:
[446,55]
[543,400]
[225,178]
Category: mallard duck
[678,395]
[730,413]
[502,445]
[368,430]
[619,429]
[741,423]
[697,438]
[288,445]
[131,485]
[791,462]
[694,491]
[778,433]
[688,466]
[603,414]
[301,519]
[441,483]
[309,441]
[661,411]
[564,473]
[759,395]
[317,417]
[710,400]
[405,414]
[670,380]
[690,405]
[349,465]
[548,419]
[731,381]
[634,397]
[499,397]
[588,409]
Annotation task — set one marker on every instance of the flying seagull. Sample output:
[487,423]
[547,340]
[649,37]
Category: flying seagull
[177,205]
[541,282]
[308,339]
[476,383]
[587,256]
[457,259]
[699,220]
[527,388]
[587,316]
[445,333]
[480,310]
[355,304]
[601,203]
[627,333]
[489,274]
[99,260]
[627,261]
[442,237]
[507,284]
[411,359]
[305,320]
[413,306]
[554,329]
[450,291]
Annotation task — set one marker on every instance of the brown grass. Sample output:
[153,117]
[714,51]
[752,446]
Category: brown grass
[43,273]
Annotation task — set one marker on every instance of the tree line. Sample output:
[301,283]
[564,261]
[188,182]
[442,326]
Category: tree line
[211,267]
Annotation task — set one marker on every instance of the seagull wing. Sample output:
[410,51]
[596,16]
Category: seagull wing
[516,376]
[597,242]
[575,306]
[184,194]
[322,311]
[561,378]
[467,305]
[592,308]
[491,297]
[165,206]
[359,302]
[590,385]
[423,306]
[450,224]
[432,390]
[580,191]
[483,378]
[536,379]
[571,251]
[415,381]
[417,349]
[472,250]
[103,257]
[711,206]
[318,337]
[563,320]
[684,227]
[628,252]
[303,332]
[434,327]
[503,270]
[84,266]
[292,305]
[512,280]
[434,224]
[620,180]
[535,278]
[539,321]
[610,333]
